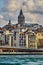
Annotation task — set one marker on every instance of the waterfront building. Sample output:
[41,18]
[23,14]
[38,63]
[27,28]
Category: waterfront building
[39,36]
[22,40]
[31,41]
[8,38]
[2,38]
[28,39]
[22,34]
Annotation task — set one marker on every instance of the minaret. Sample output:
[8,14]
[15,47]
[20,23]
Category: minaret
[21,18]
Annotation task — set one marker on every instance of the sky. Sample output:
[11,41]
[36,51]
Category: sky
[32,10]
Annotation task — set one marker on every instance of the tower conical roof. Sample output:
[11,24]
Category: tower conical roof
[21,18]
[21,13]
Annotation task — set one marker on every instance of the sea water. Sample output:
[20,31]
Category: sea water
[21,59]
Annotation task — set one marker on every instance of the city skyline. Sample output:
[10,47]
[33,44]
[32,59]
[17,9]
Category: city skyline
[32,9]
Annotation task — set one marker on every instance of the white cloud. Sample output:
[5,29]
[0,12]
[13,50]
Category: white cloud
[1,17]
[13,5]
[33,10]
[3,22]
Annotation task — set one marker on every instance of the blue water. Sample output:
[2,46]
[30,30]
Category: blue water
[21,59]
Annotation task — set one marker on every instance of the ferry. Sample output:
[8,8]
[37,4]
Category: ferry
[19,51]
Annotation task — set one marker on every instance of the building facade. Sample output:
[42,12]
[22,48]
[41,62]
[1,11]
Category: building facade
[21,35]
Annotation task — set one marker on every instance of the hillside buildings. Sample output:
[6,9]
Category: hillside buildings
[21,34]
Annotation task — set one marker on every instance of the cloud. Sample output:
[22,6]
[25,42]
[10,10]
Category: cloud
[36,12]
[30,17]
[1,17]
[2,22]
[32,9]
[12,5]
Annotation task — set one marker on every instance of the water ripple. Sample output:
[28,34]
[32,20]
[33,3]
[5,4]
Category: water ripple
[21,59]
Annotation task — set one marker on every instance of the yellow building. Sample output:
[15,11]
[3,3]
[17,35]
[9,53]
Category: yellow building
[31,40]
[39,36]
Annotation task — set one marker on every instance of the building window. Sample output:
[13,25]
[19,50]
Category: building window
[22,40]
[15,44]
[38,34]
[11,41]
[6,39]
[31,37]
[15,35]
[42,34]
